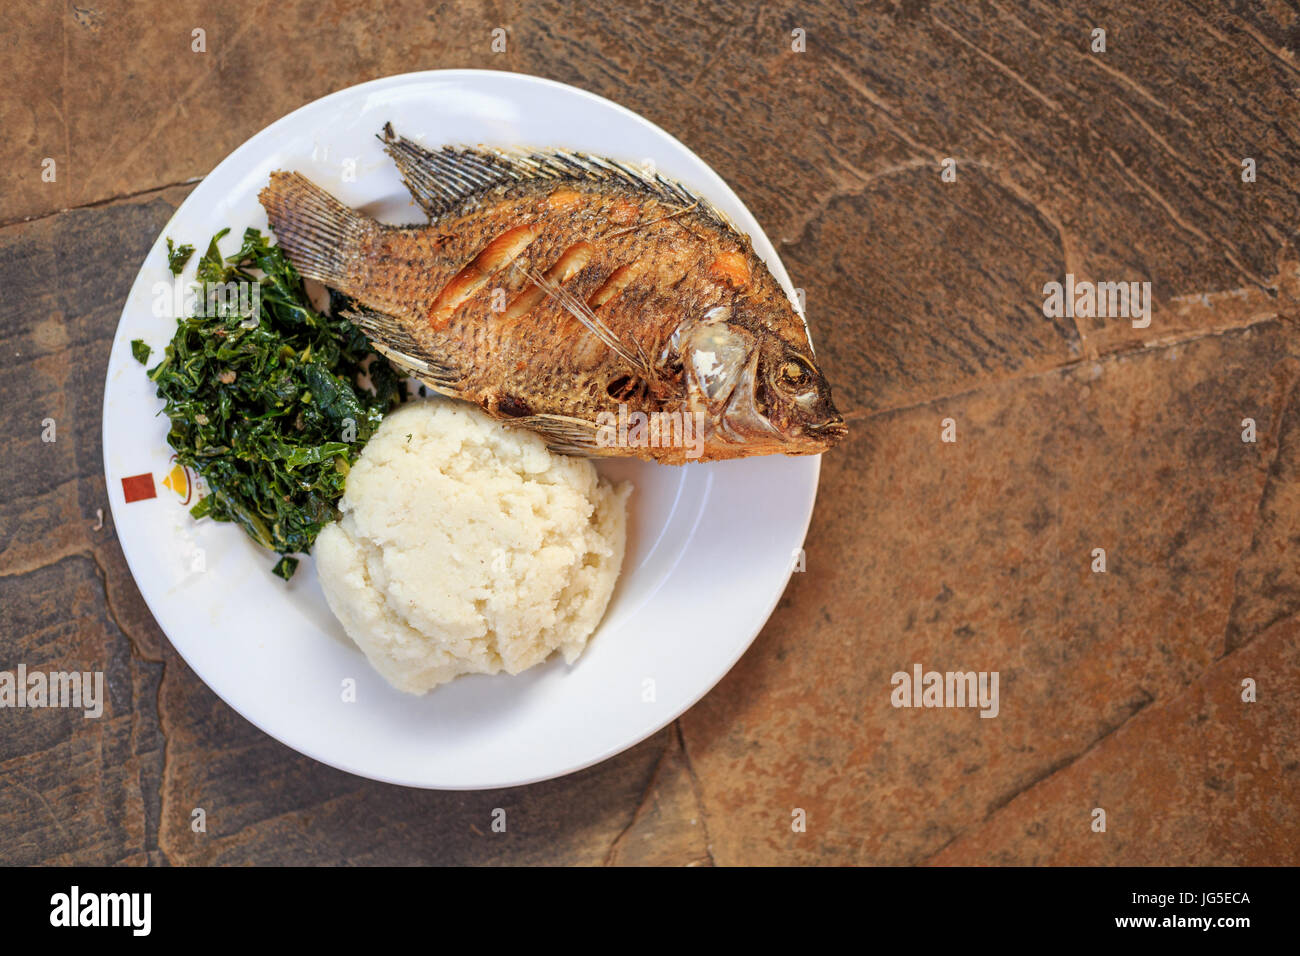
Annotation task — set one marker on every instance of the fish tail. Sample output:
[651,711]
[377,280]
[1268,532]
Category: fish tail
[317,232]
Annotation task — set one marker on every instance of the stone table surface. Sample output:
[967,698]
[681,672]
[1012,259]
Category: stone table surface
[1121,691]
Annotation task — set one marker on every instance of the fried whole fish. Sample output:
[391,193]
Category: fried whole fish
[611,311]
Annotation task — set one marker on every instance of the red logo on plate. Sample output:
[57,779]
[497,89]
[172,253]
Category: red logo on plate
[138,488]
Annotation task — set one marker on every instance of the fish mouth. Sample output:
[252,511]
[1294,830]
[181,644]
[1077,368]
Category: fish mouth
[828,432]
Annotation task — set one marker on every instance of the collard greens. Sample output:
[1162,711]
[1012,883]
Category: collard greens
[270,409]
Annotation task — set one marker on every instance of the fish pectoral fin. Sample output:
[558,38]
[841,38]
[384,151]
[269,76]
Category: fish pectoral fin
[634,356]
[390,339]
[564,434]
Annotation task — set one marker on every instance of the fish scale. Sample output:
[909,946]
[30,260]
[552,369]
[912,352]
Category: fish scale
[624,293]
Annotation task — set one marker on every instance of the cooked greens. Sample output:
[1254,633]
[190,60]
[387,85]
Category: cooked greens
[285,567]
[177,256]
[267,403]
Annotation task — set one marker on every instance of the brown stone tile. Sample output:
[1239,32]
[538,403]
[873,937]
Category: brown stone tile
[925,289]
[1121,157]
[668,829]
[123,103]
[1267,588]
[1203,779]
[75,789]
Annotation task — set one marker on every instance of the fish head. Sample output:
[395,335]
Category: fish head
[758,389]
[792,394]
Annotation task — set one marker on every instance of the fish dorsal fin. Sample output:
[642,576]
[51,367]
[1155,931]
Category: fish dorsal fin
[443,180]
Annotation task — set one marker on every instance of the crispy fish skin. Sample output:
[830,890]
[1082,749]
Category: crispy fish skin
[552,289]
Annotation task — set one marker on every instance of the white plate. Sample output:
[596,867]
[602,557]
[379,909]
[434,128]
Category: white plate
[710,546]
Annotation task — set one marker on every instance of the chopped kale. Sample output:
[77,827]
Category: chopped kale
[285,567]
[177,256]
[269,407]
[140,350]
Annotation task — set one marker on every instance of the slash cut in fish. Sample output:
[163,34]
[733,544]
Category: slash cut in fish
[614,312]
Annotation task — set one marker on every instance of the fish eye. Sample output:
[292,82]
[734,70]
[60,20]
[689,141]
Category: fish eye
[794,373]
